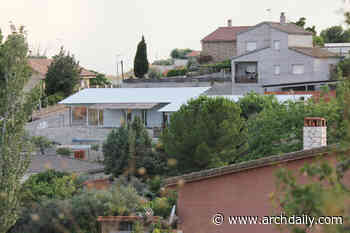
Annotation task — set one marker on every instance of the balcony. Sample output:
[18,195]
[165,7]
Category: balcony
[249,78]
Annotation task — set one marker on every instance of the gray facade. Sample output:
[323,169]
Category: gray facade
[276,61]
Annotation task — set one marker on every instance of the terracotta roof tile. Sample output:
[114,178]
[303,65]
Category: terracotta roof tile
[224,34]
[314,52]
[193,54]
[41,66]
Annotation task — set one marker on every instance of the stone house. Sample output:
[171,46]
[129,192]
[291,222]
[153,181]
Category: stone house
[243,189]
[279,56]
[40,67]
[221,44]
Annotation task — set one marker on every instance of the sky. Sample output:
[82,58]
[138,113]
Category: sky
[101,32]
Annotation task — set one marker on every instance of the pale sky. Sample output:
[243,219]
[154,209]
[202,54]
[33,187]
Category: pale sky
[95,31]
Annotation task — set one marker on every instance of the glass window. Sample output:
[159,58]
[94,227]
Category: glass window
[277,44]
[277,70]
[297,69]
[251,46]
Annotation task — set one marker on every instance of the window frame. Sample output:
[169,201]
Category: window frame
[279,44]
[279,70]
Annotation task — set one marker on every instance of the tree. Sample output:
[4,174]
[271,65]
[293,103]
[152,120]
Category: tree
[63,75]
[125,148]
[301,22]
[15,110]
[180,53]
[205,133]
[141,63]
[99,80]
[335,34]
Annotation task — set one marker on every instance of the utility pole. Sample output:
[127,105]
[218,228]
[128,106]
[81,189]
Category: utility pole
[121,63]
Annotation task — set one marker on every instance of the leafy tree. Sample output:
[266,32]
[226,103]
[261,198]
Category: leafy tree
[206,132]
[41,143]
[125,147]
[252,104]
[318,41]
[301,22]
[49,185]
[180,53]
[15,110]
[99,80]
[63,74]
[335,34]
[141,64]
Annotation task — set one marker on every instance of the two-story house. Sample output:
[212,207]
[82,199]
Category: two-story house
[280,56]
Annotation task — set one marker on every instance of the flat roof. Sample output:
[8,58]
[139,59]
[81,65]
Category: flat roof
[133,95]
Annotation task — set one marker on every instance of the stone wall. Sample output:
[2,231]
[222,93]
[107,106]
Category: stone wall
[315,137]
[219,51]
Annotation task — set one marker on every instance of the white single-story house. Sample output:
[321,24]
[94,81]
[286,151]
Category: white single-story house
[111,107]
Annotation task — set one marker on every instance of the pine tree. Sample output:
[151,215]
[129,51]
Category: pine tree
[141,63]
[63,75]
[15,109]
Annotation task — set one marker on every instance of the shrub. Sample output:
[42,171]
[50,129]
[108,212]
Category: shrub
[154,73]
[55,98]
[165,62]
[41,143]
[64,151]
[177,72]
[95,147]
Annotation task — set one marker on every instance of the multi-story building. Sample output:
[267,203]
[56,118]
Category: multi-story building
[279,56]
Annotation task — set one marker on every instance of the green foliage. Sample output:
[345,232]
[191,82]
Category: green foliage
[344,66]
[318,41]
[323,195]
[141,62]
[205,133]
[217,67]
[41,143]
[15,110]
[49,185]
[177,72]
[180,53]
[64,151]
[63,75]
[79,213]
[128,149]
[335,34]
[99,80]
[278,128]
[55,98]
[95,147]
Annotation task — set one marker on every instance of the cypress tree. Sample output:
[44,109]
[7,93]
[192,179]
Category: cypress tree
[141,62]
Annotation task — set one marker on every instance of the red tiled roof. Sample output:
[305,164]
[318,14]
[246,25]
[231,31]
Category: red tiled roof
[314,52]
[193,54]
[224,34]
[41,66]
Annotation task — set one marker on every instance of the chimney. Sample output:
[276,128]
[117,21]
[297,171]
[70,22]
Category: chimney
[283,19]
[229,23]
[315,132]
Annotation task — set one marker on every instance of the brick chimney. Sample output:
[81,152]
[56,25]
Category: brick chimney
[283,19]
[315,132]
[229,23]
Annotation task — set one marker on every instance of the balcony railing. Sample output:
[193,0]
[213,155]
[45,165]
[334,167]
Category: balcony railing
[251,78]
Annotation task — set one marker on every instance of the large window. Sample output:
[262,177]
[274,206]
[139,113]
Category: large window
[251,46]
[298,69]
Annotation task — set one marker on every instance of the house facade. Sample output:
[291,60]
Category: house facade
[274,56]
[221,44]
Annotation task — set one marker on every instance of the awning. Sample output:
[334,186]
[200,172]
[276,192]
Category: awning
[124,106]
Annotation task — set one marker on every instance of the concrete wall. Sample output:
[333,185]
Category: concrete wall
[219,51]
[300,41]
[260,35]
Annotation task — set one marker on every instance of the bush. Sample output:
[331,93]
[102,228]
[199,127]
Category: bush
[55,98]
[95,147]
[165,62]
[154,73]
[217,67]
[41,143]
[177,72]
[64,151]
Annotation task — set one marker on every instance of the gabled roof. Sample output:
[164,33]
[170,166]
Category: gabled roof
[244,166]
[224,34]
[41,66]
[314,52]
[134,95]
[289,28]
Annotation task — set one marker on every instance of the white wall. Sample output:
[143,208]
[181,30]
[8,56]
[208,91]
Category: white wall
[112,118]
